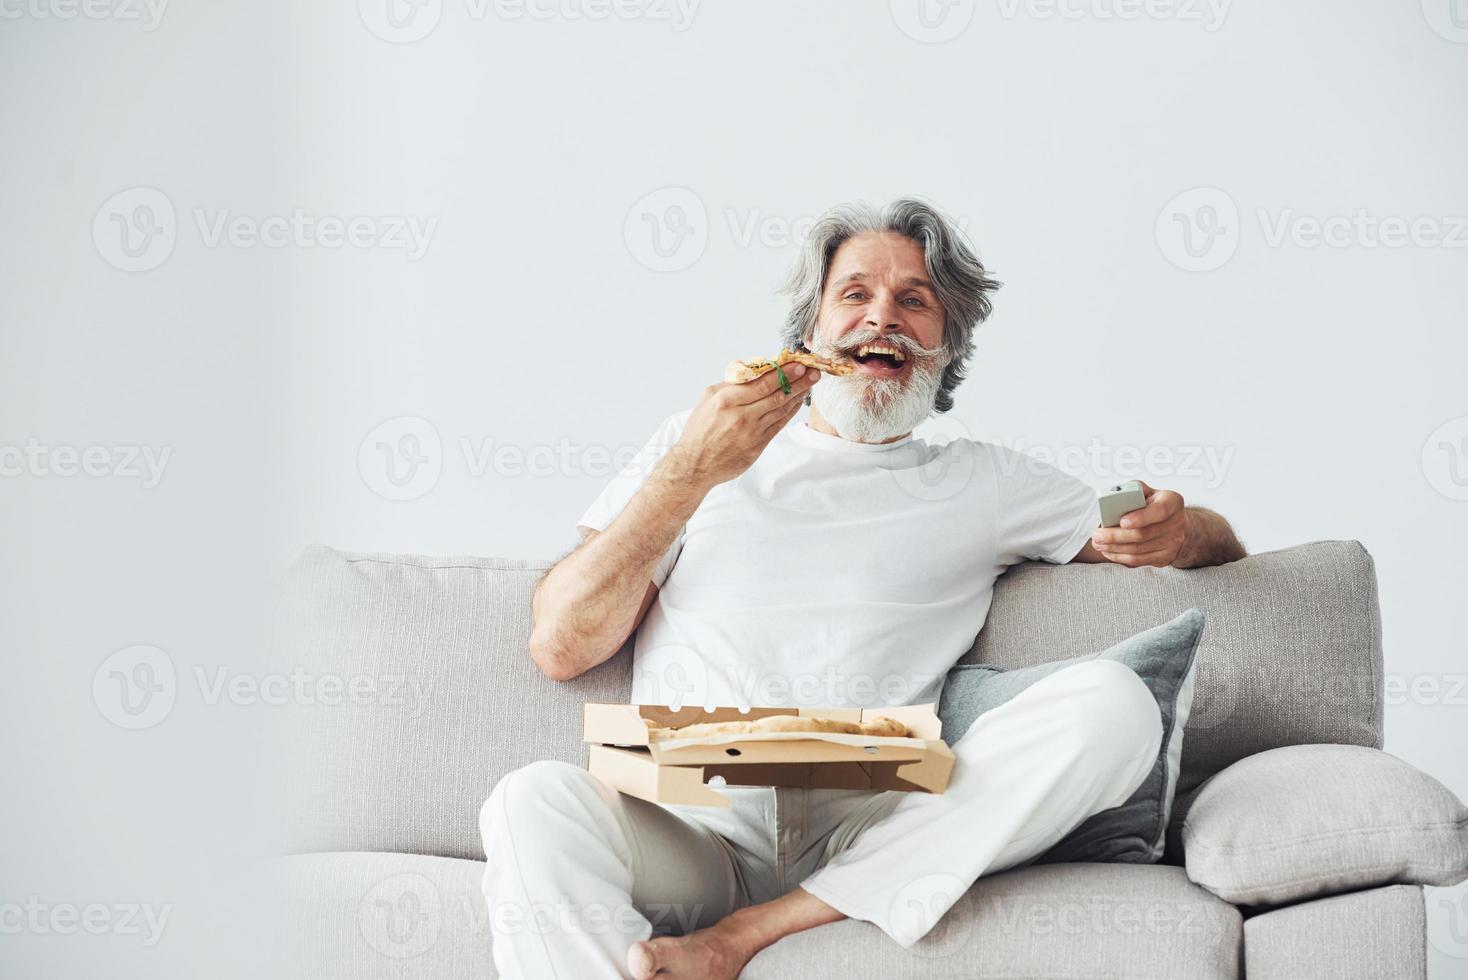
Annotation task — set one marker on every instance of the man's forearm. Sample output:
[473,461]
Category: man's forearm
[1209,540]
[585,607]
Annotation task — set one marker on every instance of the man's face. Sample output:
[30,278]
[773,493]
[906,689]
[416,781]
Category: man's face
[877,288]
[879,310]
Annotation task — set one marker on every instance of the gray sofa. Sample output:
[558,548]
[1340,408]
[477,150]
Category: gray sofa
[380,788]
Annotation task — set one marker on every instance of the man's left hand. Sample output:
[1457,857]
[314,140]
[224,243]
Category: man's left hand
[1151,535]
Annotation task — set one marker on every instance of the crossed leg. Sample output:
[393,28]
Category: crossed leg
[1028,772]
[1077,742]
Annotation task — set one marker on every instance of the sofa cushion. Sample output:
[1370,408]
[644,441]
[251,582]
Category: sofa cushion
[1136,830]
[374,916]
[450,700]
[1309,820]
[1077,921]
[1292,654]
[1370,935]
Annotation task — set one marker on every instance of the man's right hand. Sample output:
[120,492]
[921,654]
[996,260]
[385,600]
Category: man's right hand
[731,424]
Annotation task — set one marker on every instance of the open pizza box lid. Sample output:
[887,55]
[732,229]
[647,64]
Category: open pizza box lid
[678,771]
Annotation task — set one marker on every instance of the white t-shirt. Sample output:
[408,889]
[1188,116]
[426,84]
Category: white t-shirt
[834,573]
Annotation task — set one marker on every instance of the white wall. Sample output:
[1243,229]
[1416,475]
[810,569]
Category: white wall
[534,155]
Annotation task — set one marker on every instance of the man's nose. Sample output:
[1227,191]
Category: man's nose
[883,313]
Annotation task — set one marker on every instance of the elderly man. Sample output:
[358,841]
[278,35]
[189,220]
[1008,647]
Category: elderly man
[837,561]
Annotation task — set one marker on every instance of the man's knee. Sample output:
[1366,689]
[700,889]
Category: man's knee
[1119,718]
[525,792]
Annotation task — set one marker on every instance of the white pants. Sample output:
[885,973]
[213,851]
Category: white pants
[578,872]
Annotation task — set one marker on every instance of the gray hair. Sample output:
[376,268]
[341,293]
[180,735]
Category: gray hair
[959,278]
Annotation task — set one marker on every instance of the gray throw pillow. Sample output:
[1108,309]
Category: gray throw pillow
[1302,821]
[1136,831]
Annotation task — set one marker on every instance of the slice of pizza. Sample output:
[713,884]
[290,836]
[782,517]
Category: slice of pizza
[738,372]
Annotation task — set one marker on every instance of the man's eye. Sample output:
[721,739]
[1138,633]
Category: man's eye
[855,294]
[914,299]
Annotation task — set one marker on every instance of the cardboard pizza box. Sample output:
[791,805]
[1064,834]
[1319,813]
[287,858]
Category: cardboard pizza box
[622,755]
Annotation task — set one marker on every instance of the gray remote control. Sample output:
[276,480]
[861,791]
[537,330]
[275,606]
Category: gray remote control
[1120,498]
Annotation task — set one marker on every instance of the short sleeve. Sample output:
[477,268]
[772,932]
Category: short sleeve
[1044,513]
[615,496]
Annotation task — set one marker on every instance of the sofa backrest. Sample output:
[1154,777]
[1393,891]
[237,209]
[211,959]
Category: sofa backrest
[439,697]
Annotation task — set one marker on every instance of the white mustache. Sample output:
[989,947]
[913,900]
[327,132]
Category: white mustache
[911,348]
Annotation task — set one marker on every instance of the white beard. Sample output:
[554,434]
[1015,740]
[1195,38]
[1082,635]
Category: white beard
[867,409]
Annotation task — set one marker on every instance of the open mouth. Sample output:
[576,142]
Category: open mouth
[882,360]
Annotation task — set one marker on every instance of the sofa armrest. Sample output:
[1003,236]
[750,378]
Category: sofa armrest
[1304,821]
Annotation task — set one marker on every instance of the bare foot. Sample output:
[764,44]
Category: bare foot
[707,954]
